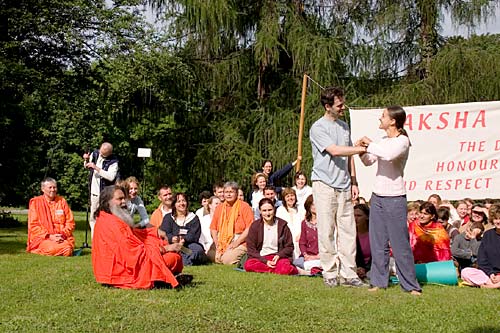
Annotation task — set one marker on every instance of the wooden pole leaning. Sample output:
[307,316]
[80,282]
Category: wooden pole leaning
[301,124]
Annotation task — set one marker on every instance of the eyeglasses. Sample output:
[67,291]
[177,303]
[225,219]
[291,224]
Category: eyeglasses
[477,212]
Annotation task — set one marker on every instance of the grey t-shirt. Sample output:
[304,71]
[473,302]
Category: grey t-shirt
[331,170]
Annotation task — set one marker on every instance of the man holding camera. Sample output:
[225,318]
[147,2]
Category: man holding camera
[103,166]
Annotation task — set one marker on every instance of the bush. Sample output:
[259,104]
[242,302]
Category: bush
[8,221]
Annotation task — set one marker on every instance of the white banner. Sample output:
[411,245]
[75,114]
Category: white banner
[455,150]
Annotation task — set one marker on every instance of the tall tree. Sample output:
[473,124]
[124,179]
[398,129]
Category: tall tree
[46,51]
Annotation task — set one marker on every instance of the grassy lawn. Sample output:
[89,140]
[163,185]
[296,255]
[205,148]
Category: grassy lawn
[41,294]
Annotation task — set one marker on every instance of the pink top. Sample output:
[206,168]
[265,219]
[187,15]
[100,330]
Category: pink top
[391,155]
[364,242]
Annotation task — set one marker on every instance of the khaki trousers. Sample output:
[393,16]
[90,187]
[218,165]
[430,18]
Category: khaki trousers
[336,231]
[231,256]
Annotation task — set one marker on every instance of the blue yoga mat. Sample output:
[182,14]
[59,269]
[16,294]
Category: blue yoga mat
[439,272]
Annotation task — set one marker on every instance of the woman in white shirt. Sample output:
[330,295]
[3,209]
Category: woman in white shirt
[205,237]
[292,215]
[259,182]
[388,210]
[302,190]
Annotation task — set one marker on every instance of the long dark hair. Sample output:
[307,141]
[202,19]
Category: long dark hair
[176,198]
[397,113]
[307,205]
[105,197]
[364,208]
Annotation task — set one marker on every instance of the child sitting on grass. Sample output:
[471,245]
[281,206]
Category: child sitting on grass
[466,245]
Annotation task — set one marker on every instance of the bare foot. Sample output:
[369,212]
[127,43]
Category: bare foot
[374,289]
[415,293]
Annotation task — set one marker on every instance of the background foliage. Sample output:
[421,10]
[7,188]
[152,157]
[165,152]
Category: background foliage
[214,87]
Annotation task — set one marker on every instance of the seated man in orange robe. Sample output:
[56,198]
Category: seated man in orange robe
[50,223]
[127,257]
[229,227]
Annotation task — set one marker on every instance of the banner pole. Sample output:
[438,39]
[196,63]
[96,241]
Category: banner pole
[301,124]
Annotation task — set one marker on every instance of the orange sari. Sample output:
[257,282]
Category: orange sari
[429,242]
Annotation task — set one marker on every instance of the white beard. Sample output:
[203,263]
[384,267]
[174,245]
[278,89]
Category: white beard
[122,214]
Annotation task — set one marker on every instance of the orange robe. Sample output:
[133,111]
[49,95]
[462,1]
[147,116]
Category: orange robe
[130,259]
[46,218]
[222,215]
[157,217]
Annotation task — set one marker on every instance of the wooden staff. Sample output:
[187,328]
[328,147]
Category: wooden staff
[301,124]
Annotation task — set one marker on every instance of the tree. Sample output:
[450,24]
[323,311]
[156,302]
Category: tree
[46,52]
[250,57]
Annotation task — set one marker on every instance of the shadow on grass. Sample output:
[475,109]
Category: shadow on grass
[81,251]
[12,243]
[194,284]
[489,329]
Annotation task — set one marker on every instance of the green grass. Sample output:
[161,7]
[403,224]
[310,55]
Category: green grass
[42,294]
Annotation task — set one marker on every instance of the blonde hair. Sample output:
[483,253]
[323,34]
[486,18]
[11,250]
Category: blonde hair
[494,212]
[130,180]
[255,176]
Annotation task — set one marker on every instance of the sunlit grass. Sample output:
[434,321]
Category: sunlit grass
[60,294]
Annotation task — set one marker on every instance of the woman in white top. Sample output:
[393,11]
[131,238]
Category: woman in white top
[205,237]
[293,216]
[388,210]
[302,190]
[259,182]
[134,202]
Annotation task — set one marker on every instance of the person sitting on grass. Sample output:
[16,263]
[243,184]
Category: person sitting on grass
[479,213]
[463,216]
[302,190]
[269,243]
[205,236]
[184,224]
[165,196]
[428,239]
[487,275]
[50,223]
[259,181]
[308,241]
[443,215]
[363,252]
[466,245]
[274,177]
[293,215]
[128,257]
[134,202]
[229,227]
[203,198]
[413,211]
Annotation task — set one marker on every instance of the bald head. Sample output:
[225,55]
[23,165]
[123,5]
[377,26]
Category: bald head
[106,149]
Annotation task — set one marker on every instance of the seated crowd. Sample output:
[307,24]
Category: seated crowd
[264,234]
